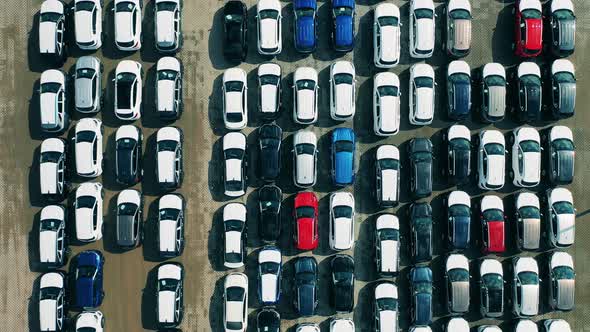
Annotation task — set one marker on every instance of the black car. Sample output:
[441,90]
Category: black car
[235,27]
[269,159]
[128,142]
[421,290]
[342,283]
[268,320]
[305,294]
[458,154]
[269,199]
[529,92]
[420,151]
[562,155]
[421,227]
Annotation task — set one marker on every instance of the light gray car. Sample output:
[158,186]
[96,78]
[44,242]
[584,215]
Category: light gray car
[563,281]
[88,84]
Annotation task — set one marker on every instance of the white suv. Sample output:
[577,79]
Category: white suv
[52,237]
[341,221]
[305,95]
[88,21]
[235,99]
[88,147]
[305,159]
[168,31]
[342,90]
[235,302]
[52,29]
[387,244]
[128,90]
[169,88]
[561,217]
[128,35]
[491,157]
[268,18]
[88,207]
[52,302]
[526,157]
[422,28]
[422,86]
[386,35]
[52,168]
[387,175]
[90,321]
[52,101]
[169,157]
[386,104]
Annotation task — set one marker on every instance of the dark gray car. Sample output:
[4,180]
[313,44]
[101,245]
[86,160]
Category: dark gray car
[88,85]
[563,89]
[420,151]
[562,153]
[421,290]
[129,218]
[562,21]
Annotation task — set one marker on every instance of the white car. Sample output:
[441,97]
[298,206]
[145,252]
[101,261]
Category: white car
[270,28]
[457,281]
[562,277]
[342,325]
[305,95]
[491,288]
[422,28]
[557,325]
[528,219]
[128,35]
[491,160]
[235,99]
[171,225]
[52,168]
[341,221]
[526,157]
[457,324]
[169,88]
[308,327]
[52,30]
[386,35]
[489,328]
[387,175]
[88,24]
[422,94]
[88,147]
[420,329]
[88,211]
[235,302]
[387,244]
[234,235]
[386,307]
[52,236]
[493,90]
[235,162]
[342,90]
[458,28]
[92,321]
[170,289]
[168,29]
[128,90]
[386,104]
[561,217]
[305,158]
[525,325]
[269,274]
[52,302]
[169,170]
[525,287]
[52,101]
[269,90]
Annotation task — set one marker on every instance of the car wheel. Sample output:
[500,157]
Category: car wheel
[102,322]
[511,174]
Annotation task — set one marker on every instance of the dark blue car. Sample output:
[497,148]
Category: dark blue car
[88,279]
[343,32]
[458,90]
[306,25]
[306,286]
[421,280]
[343,147]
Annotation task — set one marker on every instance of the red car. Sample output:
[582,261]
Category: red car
[528,31]
[492,224]
[306,221]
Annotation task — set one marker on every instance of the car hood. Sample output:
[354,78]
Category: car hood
[47,185]
[124,24]
[496,173]
[269,293]
[388,321]
[344,101]
[531,233]
[424,103]
[47,320]
[47,39]
[83,26]
[424,34]
[305,32]
[390,43]
[306,104]
[165,95]
[269,102]
[343,34]
[84,228]
[567,225]
[47,248]
[166,306]
[270,36]
[534,31]
[305,168]
[167,235]
[389,255]
[165,31]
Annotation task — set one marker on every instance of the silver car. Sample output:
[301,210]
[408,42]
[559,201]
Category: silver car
[457,279]
[88,84]
[563,281]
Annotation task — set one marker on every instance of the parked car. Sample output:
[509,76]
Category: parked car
[269,157]
[525,325]
[421,94]
[170,289]
[235,30]
[268,320]
[420,153]
[128,34]
[128,155]
[235,163]
[168,25]
[52,301]
[342,89]
[52,169]
[90,321]
[562,155]
[342,325]
[493,92]
[387,175]
[416,328]
[234,235]
[169,88]
[343,156]
[421,229]
[53,246]
[387,244]
[563,89]
[459,219]
[458,90]
[342,267]
[305,157]
[488,328]
[88,147]
[458,32]
[88,274]
[458,140]
[169,141]
[128,90]
[421,290]
[52,30]
[491,163]
[306,25]
[305,292]
[457,324]
[52,100]
[525,287]
[563,281]
[386,104]
[343,16]
[422,28]
[88,81]
[235,302]
[457,279]
[526,157]
[385,307]
[530,95]
[306,221]
[269,90]
[528,221]
[269,275]
[562,21]
[268,20]
[561,217]
[129,218]
[88,211]
[528,31]
[305,95]
[341,221]
[307,327]
[491,288]
[269,201]
[235,99]
[556,325]
[386,35]
[493,224]
[171,225]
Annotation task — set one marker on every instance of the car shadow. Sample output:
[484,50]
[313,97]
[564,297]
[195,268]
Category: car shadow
[215,109]
[324,117]
[33,306]
[363,310]
[109,240]
[324,51]
[150,233]
[501,45]
[36,62]
[323,248]
[252,220]
[35,197]
[216,306]
[149,116]
[149,182]
[149,301]
[148,50]
[324,165]
[363,48]
[215,241]
[364,250]
[216,38]
[364,185]
[286,240]
[289,53]
[215,172]
[324,308]
[33,245]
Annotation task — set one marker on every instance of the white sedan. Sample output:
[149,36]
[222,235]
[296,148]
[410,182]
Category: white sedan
[491,157]
[92,321]
[341,221]
[305,158]
[422,28]
[526,157]
[169,88]
[88,147]
[128,90]
[557,325]
[234,156]
[386,35]
[421,98]
[88,211]
[128,35]
[268,18]
[342,90]
[269,274]
[234,231]
[386,104]
[52,301]
[52,29]
[88,24]
[561,217]
[170,300]
[235,99]
[235,302]
[305,95]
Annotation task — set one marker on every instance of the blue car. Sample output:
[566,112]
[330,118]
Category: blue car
[343,31]
[343,147]
[88,279]
[306,25]
[421,284]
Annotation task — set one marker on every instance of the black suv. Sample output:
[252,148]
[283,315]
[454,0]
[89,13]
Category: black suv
[128,155]
[421,227]
[420,151]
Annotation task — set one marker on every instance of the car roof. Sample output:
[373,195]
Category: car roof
[170,271]
[387,151]
[387,9]
[387,220]
[234,211]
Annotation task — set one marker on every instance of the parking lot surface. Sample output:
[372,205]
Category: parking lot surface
[129,304]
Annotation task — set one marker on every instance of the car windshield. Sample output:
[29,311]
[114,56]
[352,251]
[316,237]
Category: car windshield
[167,145]
[423,225]
[167,285]
[458,275]
[563,144]
[564,14]
[305,278]
[344,11]
[169,214]
[269,143]
[459,210]
[166,75]
[531,13]
[300,12]
[494,149]
[85,202]
[234,86]
[269,80]
[269,268]
[124,145]
[85,136]
[305,148]
[234,185]
[50,157]
[460,78]
[421,157]
[495,80]
[49,225]
[233,153]
[166,6]
[234,294]
[563,208]
[342,276]
[85,271]
[530,146]
[84,6]
[387,304]
[342,79]
[233,225]
[305,212]
[388,20]
[389,164]
[423,82]
[528,278]
[49,293]
[234,117]
[462,144]
[564,272]
[388,90]
[493,281]
[125,6]
[423,13]
[50,87]
[460,14]
[127,209]
[529,212]
[342,211]
[530,80]
[423,287]
[343,146]
[50,17]
[564,77]
[268,13]
[234,18]
[85,73]
[305,85]
[493,215]
[389,234]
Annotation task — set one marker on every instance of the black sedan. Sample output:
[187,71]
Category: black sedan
[421,290]
[268,320]
[305,293]
[342,283]
[235,27]
[269,199]
[420,151]
[421,228]
[128,155]
[269,159]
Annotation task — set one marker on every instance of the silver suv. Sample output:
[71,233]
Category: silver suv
[88,85]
